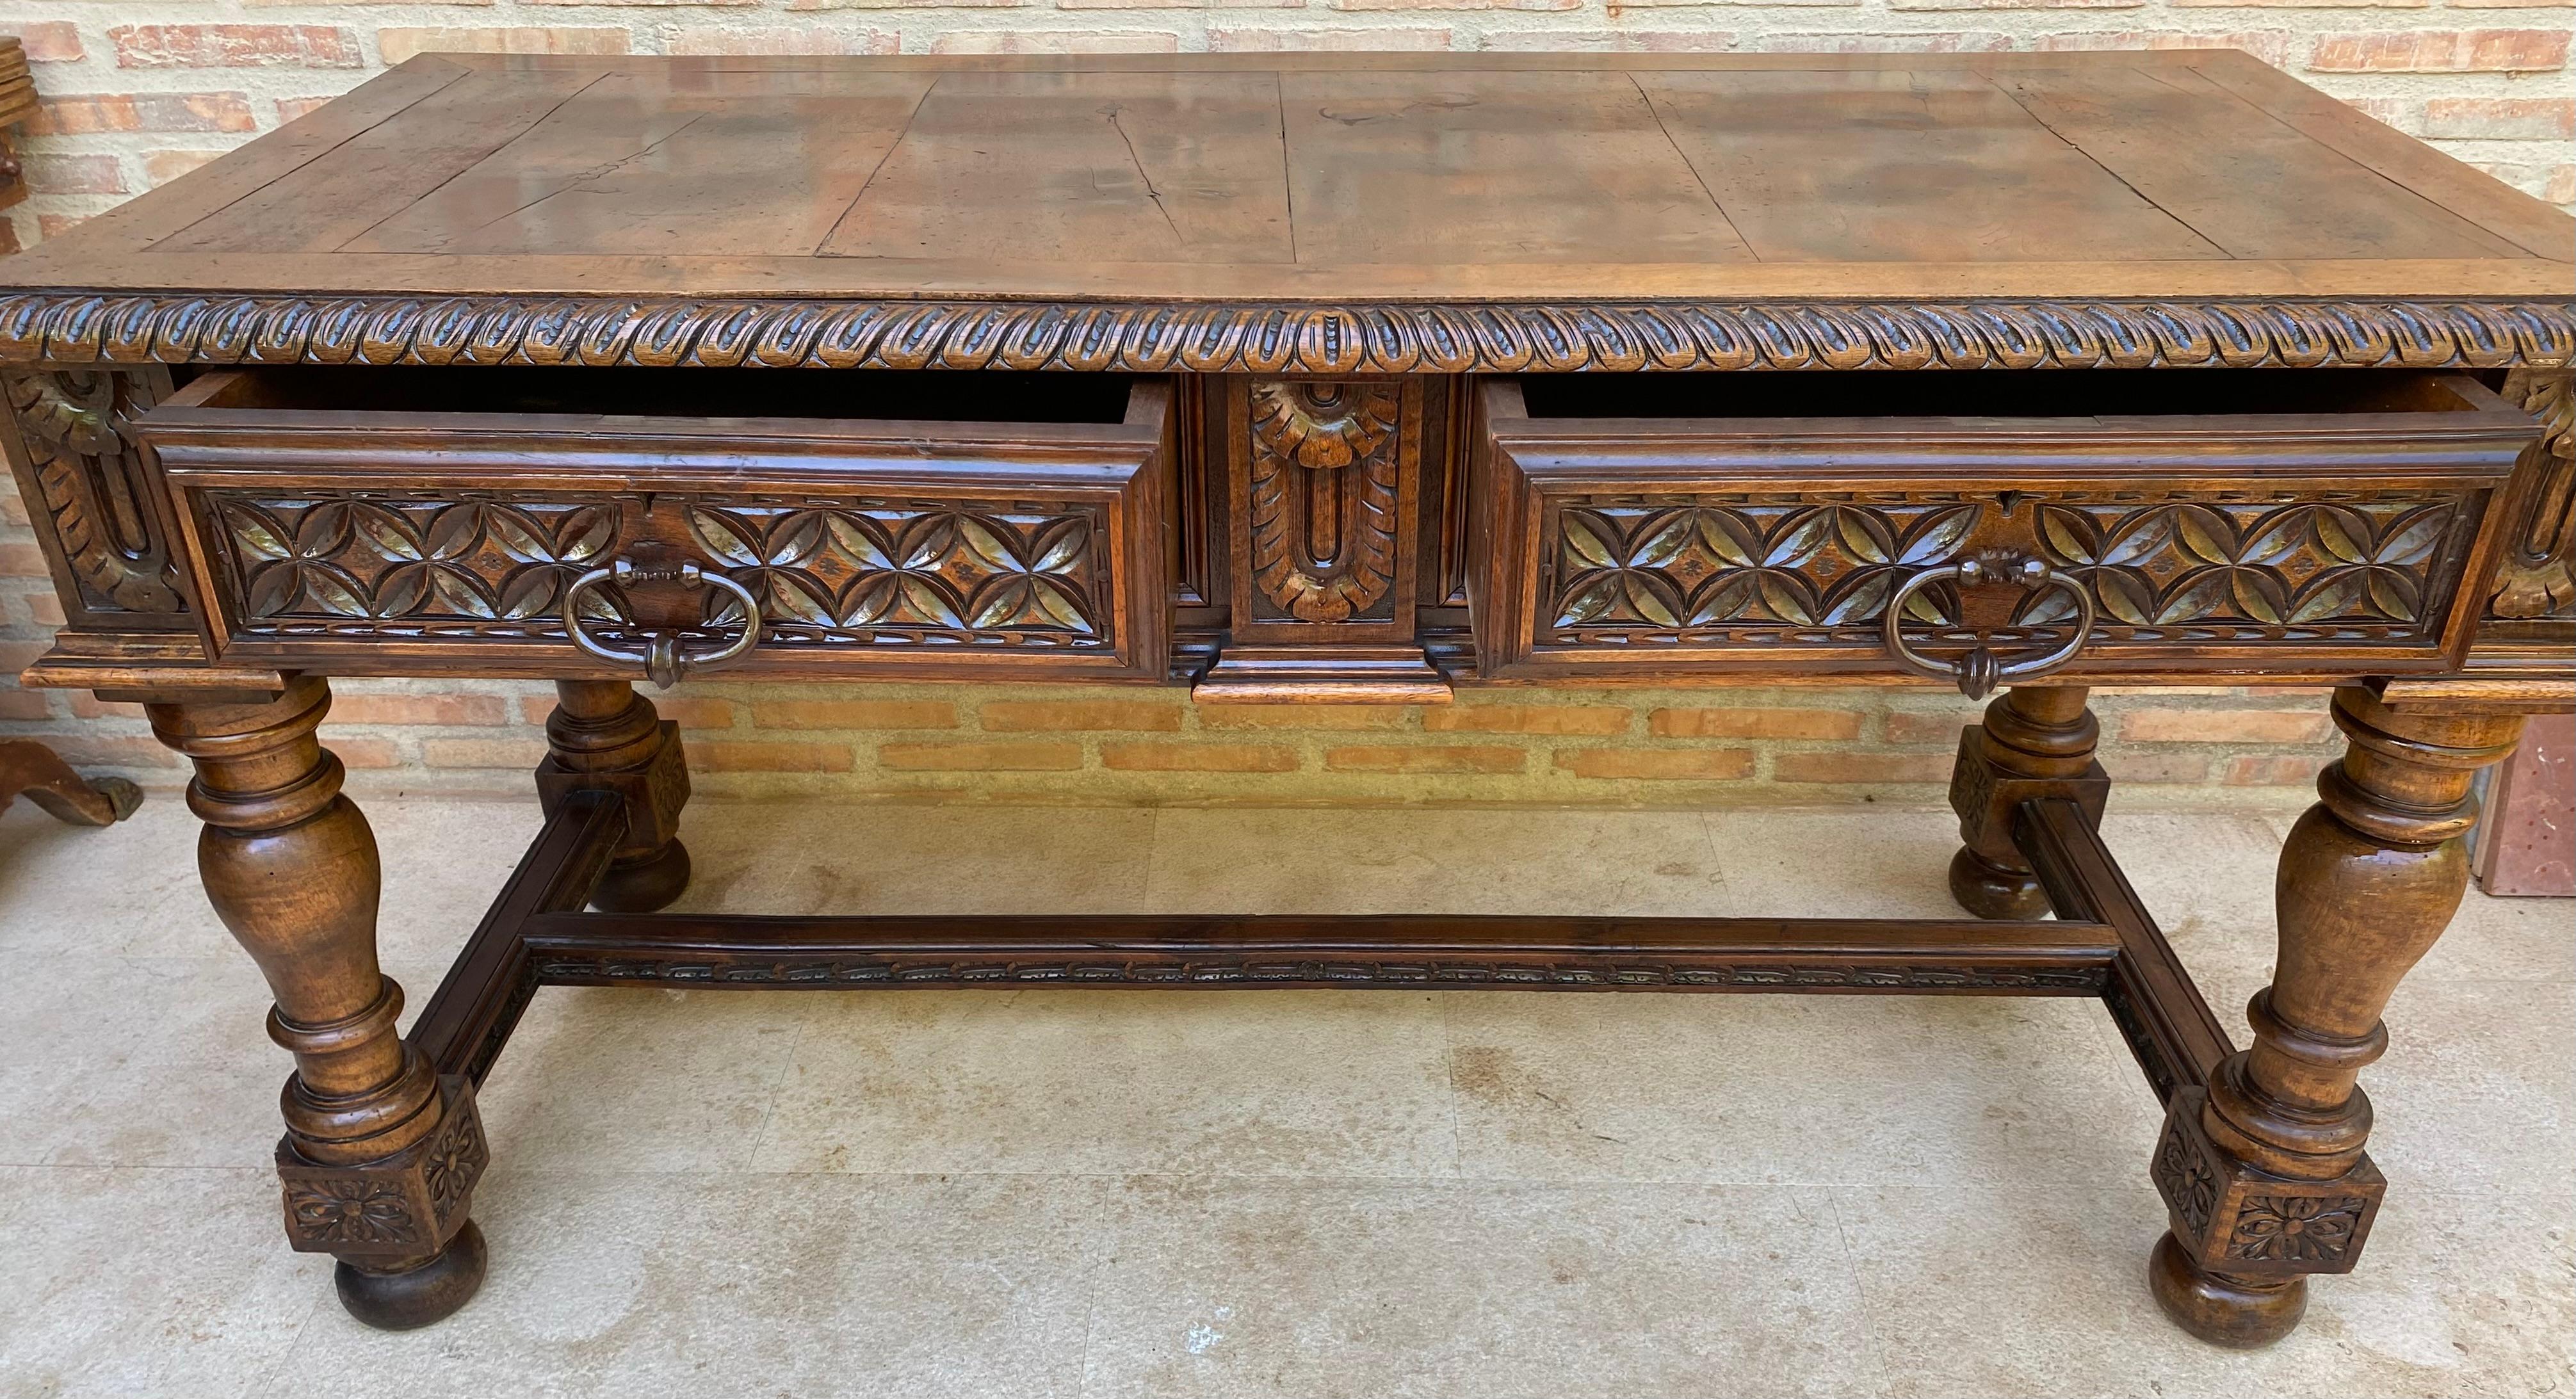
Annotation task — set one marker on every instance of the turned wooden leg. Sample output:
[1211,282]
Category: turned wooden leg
[603,735]
[2263,1172]
[30,769]
[2036,741]
[380,1155]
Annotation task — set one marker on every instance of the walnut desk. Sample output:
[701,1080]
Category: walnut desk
[1319,379]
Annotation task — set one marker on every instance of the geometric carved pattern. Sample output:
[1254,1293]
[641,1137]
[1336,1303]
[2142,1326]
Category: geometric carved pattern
[404,1206]
[1323,497]
[462,564]
[1755,569]
[2538,576]
[918,571]
[91,483]
[1276,339]
[2231,1218]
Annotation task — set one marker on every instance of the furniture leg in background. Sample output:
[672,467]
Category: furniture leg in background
[30,769]
[604,736]
[381,1154]
[2036,741]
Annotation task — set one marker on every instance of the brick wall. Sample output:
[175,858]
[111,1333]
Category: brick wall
[137,92]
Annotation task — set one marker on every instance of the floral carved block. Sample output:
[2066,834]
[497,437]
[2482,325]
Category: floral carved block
[2232,1218]
[406,1206]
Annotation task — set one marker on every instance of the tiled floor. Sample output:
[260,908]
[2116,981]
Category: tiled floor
[1042,1192]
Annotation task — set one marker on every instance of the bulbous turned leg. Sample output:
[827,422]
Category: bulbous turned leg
[2263,1172]
[2036,741]
[380,1155]
[603,735]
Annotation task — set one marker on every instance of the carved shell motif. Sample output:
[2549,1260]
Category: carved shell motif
[1324,533]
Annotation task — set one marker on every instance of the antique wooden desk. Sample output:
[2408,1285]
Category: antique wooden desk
[1319,379]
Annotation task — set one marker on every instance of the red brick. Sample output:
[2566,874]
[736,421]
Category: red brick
[74,174]
[2553,183]
[798,39]
[400,42]
[1056,41]
[1068,716]
[1954,42]
[1525,719]
[2270,45]
[2441,51]
[2164,768]
[81,114]
[1342,717]
[1906,726]
[854,714]
[22,560]
[1861,767]
[235,46]
[2272,770]
[1609,41]
[980,757]
[521,753]
[1522,4]
[47,40]
[85,750]
[1198,757]
[161,167]
[2225,726]
[290,108]
[56,225]
[1325,41]
[2500,118]
[367,753]
[904,4]
[349,708]
[1425,760]
[2033,4]
[24,704]
[1753,723]
[770,757]
[1674,764]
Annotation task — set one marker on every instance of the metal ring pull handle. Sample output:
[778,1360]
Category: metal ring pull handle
[1981,670]
[664,660]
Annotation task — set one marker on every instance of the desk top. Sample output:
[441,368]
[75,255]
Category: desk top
[1343,212]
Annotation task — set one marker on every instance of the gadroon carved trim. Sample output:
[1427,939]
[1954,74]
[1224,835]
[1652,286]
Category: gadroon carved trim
[181,327]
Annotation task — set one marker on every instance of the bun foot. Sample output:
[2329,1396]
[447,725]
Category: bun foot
[1990,891]
[645,886]
[420,1295]
[2240,1313]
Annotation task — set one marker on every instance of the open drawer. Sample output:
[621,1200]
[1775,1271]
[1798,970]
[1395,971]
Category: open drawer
[387,520]
[2102,523]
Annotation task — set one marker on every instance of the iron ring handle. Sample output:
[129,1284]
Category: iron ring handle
[1979,672]
[664,661]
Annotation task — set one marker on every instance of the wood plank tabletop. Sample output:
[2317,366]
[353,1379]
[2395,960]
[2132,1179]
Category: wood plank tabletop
[1343,178]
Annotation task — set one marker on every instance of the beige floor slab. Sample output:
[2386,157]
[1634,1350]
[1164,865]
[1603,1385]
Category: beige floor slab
[1055,1192]
[1380,1291]
[1235,1083]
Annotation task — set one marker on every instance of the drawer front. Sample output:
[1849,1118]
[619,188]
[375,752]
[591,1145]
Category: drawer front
[871,549]
[2206,546]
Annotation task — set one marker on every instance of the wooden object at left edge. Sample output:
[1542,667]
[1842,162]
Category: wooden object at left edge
[1312,380]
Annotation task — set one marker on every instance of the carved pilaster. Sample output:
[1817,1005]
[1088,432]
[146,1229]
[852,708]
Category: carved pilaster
[91,490]
[1324,481]
[2536,580]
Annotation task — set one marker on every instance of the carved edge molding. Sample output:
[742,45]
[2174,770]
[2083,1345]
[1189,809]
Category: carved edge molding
[176,327]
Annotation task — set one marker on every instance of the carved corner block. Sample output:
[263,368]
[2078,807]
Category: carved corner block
[97,501]
[403,1207]
[1984,793]
[655,792]
[2231,1218]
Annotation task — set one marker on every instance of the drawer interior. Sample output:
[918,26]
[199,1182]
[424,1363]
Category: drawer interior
[2057,394]
[618,392]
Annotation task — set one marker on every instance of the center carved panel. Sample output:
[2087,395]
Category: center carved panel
[1323,500]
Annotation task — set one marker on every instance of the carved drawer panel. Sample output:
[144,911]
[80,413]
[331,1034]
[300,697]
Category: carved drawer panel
[361,523]
[2312,525]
